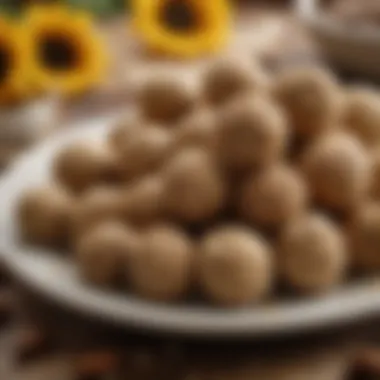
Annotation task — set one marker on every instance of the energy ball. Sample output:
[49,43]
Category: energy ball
[143,200]
[251,132]
[162,270]
[311,98]
[338,169]
[273,196]
[312,254]
[145,151]
[197,129]
[227,78]
[44,216]
[235,266]
[375,184]
[365,237]
[105,251]
[165,99]
[96,206]
[124,131]
[194,190]
[362,115]
[84,164]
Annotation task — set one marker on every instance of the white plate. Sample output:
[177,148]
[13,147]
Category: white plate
[54,276]
[352,49]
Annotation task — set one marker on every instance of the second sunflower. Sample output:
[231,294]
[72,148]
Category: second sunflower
[182,28]
[68,54]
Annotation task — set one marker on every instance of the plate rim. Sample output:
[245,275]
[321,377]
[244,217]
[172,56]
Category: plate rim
[349,304]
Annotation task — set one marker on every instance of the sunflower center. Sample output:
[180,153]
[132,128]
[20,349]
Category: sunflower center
[180,15]
[5,63]
[58,53]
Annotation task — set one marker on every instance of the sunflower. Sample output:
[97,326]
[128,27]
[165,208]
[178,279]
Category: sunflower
[182,28]
[68,53]
[15,58]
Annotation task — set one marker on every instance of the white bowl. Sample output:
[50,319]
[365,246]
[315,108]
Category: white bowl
[351,49]
[54,276]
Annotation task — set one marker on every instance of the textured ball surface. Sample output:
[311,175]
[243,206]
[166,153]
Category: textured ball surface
[362,115]
[165,99]
[44,215]
[84,164]
[228,78]
[143,200]
[251,132]
[194,190]
[95,206]
[104,252]
[145,151]
[123,131]
[311,98]
[338,169]
[365,237]
[273,196]
[162,270]
[312,254]
[235,266]
[197,130]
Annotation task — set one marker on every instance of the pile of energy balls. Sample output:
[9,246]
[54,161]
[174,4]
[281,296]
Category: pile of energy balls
[225,191]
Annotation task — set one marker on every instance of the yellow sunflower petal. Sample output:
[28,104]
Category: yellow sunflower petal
[209,32]
[15,59]
[69,53]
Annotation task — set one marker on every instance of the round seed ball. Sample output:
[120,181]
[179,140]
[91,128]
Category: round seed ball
[123,131]
[362,115]
[251,132]
[162,270]
[365,237]
[194,190]
[273,196]
[143,200]
[311,98]
[165,98]
[96,206]
[104,251]
[84,164]
[375,185]
[145,151]
[197,129]
[312,254]
[235,266]
[228,78]
[44,215]
[338,169]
